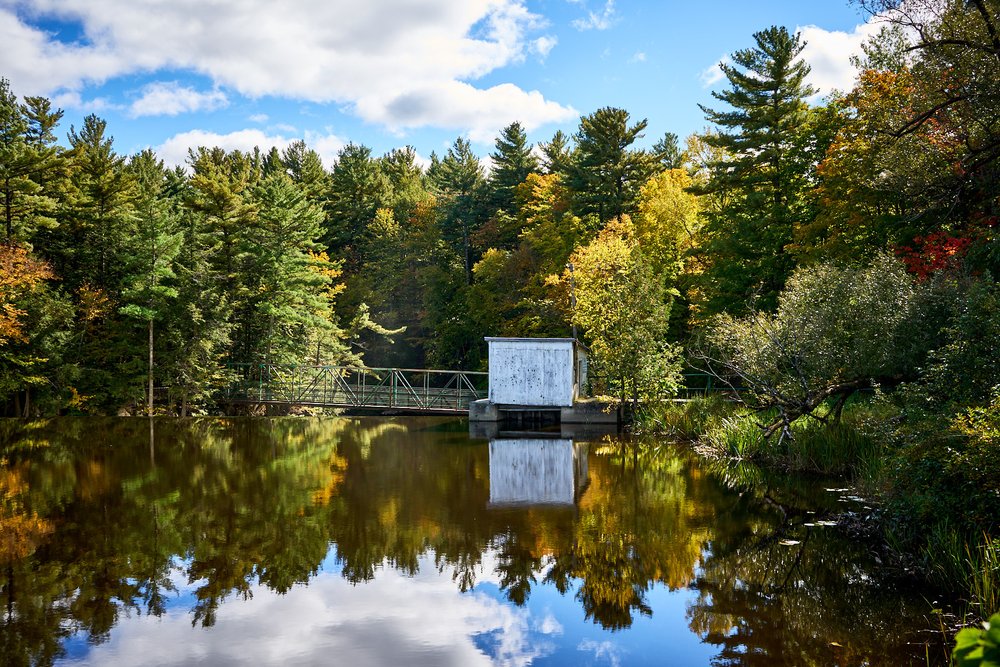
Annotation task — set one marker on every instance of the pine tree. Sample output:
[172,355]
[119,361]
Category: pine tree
[458,180]
[28,159]
[156,241]
[606,174]
[556,154]
[512,162]
[764,171]
[357,189]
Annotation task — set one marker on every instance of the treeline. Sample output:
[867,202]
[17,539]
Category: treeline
[114,264]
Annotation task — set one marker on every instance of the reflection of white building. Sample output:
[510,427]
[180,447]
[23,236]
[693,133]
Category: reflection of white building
[536,471]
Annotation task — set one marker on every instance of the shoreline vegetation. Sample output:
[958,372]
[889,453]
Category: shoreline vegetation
[933,486]
[835,260]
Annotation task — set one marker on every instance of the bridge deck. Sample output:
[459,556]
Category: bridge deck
[401,389]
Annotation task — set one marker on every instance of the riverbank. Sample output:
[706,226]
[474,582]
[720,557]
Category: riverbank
[935,484]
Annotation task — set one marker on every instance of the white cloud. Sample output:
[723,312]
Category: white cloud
[598,20]
[638,57]
[543,45]
[169,98]
[712,75]
[457,104]
[174,151]
[363,55]
[828,53]
[259,118]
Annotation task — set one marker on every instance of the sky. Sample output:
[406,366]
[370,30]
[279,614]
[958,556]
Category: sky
[173,74]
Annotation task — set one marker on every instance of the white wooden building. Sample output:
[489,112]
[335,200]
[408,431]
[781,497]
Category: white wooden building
[542,372]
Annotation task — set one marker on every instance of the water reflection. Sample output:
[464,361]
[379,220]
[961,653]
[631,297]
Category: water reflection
[288,541]
[536,471]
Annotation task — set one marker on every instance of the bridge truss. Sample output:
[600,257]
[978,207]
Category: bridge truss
[404,389]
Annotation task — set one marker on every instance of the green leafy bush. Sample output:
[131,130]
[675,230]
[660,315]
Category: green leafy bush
[976,647]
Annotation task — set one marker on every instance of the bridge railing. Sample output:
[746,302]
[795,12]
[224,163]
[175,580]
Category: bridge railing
[347,386]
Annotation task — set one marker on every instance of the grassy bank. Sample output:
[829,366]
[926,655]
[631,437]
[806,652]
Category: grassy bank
[937,483]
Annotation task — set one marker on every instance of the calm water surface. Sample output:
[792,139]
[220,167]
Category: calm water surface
[404,542]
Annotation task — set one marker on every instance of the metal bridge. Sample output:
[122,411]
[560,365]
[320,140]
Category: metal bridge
[402,389]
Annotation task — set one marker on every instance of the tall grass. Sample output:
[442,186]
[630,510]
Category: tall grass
[972,566]
[840,448]
[736,437]
[687,420]
[984,576]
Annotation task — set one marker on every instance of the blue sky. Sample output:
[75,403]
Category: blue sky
[170,74]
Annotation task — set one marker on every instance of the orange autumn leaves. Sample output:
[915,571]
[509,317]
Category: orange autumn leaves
[19,272]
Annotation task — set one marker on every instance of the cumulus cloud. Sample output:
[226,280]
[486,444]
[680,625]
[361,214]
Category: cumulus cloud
[363,55]
[457,104]
[543,45]
[638,57]
[601,20]
[169,98]
[174,151]
[828,53]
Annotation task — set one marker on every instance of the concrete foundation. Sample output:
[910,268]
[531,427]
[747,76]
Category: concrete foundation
[581,412]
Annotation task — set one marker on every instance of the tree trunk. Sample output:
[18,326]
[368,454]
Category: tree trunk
[149,409]
[27,403]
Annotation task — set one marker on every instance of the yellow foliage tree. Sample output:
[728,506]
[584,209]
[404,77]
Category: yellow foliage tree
[19,272]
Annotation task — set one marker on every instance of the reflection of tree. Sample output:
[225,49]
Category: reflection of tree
[776,592]
[642,522]
[91,532]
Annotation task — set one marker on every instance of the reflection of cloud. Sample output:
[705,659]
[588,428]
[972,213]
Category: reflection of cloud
[605,650]
[549,625]
[385,622]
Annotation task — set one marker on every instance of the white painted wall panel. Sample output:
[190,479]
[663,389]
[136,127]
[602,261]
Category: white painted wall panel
[531,372]
[532,472]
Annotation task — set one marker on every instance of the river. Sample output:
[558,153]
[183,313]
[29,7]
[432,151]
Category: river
[404,541]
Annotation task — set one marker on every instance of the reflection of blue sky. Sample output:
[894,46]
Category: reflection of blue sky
[394,620]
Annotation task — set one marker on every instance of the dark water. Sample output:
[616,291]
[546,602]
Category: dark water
[404,542]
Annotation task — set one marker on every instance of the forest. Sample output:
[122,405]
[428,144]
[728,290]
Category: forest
[834,259]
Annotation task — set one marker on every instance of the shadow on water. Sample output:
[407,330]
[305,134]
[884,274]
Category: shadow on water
[106,522]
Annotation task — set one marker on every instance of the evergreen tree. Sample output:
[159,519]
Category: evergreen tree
[357,189]
[668,152]
[306,170]
[512,162]
[763,169]
[606,174]
[28,159]
[156,241]
[288,303]
[556,154]
[99,203]
[221,194]
[406,182]
[458,180]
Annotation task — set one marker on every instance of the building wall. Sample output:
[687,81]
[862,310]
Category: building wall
[535,372]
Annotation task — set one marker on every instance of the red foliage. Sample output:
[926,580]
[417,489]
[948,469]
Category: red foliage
[934,252]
